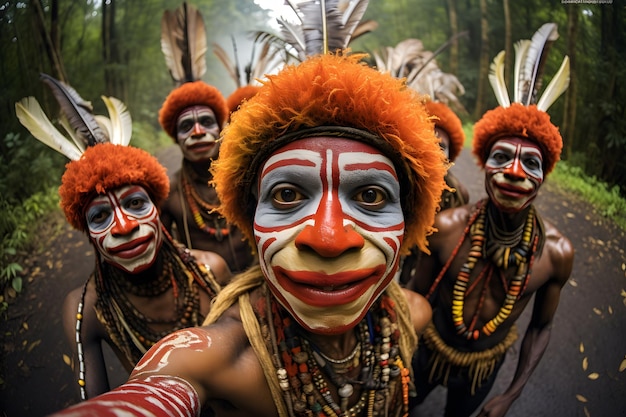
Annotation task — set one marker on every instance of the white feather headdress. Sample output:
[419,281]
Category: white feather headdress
[530,58]
[77,119]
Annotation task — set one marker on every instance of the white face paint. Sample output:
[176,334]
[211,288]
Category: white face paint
[328,227]
[197,131]
[125,227]
[514,173]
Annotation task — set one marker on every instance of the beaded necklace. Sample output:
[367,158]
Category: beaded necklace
[305,374]
[521,256]
[199,207]
[128,328]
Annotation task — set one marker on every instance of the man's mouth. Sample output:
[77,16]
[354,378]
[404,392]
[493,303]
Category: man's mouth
[133,248]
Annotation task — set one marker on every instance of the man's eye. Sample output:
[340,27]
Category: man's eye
[99,217]
[532,163]
[207,121]
[185,125]
[286,196]
[500,157]
[371,197]
[136,203]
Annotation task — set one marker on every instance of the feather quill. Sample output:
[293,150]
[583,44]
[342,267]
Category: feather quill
[121,123]
[521,49]
[33,118]
[223,57]
[556,87]
[325,25]
[496,78]
[534,61]
[79,112]
[184,43]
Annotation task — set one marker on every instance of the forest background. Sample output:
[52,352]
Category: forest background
[112,48]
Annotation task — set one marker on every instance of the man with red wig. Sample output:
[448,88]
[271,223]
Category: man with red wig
[144,285]
[194,114]
[324,172]
[488,260]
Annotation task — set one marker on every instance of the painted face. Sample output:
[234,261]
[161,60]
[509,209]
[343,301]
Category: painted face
[125,227]
[328,227]
[513,173]
[197,131]
[444,141]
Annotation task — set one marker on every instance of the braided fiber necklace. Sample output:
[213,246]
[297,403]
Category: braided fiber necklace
[130,329]
[305,374]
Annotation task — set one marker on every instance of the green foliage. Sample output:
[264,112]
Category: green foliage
[29,178]
[606,199]
[20,227]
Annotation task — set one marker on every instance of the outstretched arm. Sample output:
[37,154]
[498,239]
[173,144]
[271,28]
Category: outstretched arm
[537,335]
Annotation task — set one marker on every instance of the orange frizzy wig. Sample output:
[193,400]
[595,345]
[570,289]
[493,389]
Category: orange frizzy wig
[105,167]
[331,95]
[239,95]
[449,122]
[196,93]
[521,121]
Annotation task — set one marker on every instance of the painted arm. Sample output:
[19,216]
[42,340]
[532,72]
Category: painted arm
[162,383]
[537,335]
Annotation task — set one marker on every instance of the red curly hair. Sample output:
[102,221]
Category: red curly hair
[105,167]
[331,95]
[521,121]
[240,95]
[449,122]
[196,93]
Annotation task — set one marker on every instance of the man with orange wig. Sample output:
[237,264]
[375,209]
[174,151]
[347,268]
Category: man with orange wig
[144,284]
[488,260]
[323,171]
[194,114]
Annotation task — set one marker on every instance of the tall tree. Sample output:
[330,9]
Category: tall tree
[454,31]
[569,116]
[508,43]
[50,39]
[483,70]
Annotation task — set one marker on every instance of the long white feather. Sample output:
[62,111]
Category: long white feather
[72,133]
[521,49]
[535,60]
[557,86]
[496,78]
[33,118]
[121,122]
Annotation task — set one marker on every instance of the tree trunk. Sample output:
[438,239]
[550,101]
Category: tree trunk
[114,78]
[569,117]
[508,44]
[50,40]
[483,72]
[454,30]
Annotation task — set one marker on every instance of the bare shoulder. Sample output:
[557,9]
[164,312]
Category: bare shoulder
[560,252]
[449,224]
[421,311]
[216,263]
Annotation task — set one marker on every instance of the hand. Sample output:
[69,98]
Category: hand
[496,407]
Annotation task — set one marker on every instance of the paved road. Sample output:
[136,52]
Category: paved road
[592,314]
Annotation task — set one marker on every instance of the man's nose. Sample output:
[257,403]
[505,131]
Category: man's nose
[328,237]
[123,225]
[515,170]
[198,130]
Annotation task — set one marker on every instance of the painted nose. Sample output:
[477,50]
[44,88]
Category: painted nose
[328,237]
[198,130]
[123,225]
[515,170]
